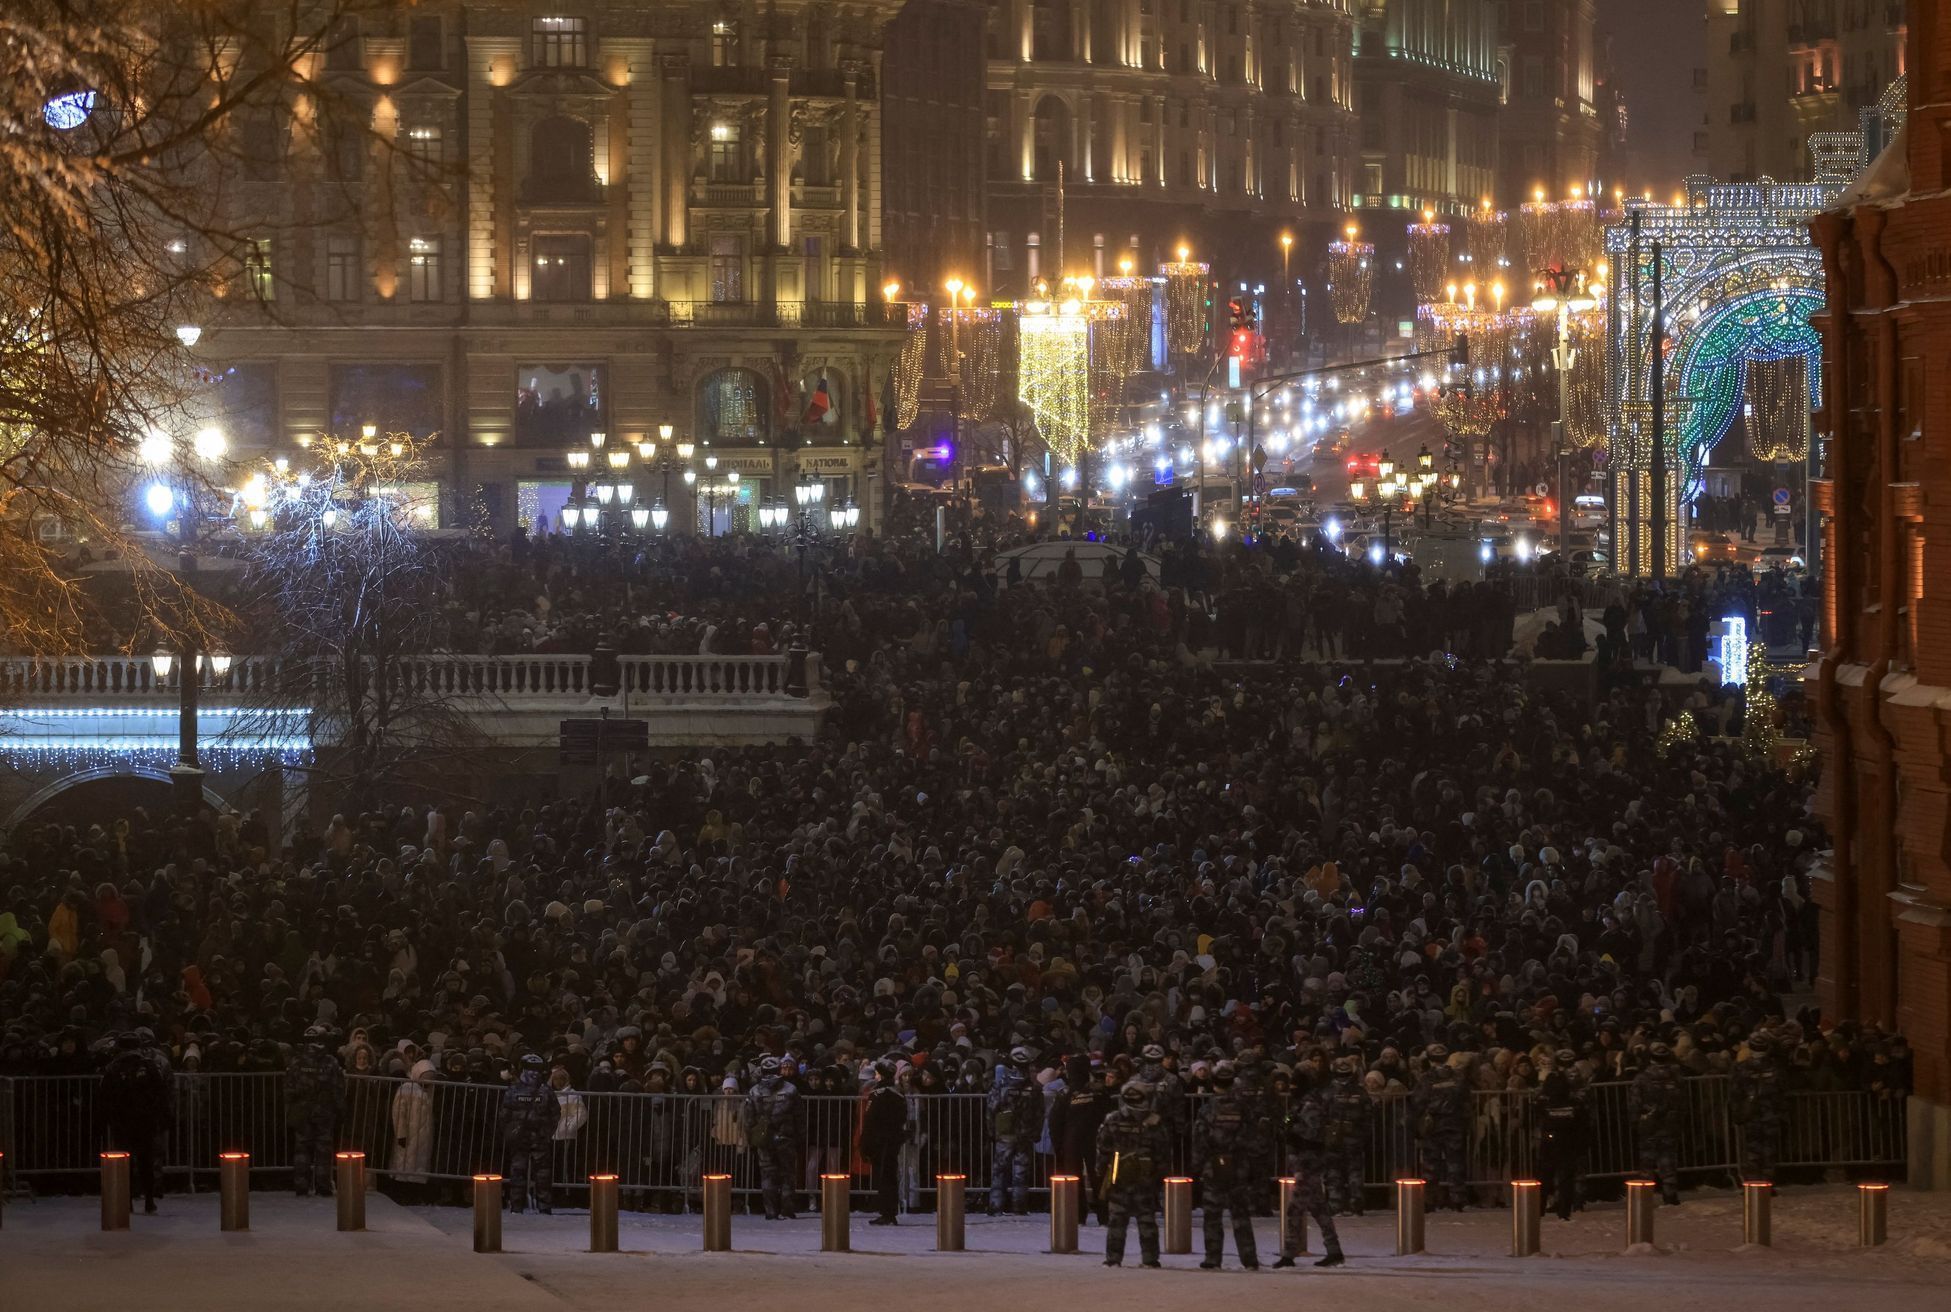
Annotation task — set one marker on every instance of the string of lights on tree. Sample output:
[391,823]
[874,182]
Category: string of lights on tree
[1429,257]
[1053,373]
[1185,303]
[1351,277]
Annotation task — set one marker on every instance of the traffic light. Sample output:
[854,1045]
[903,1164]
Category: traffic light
[1239,311]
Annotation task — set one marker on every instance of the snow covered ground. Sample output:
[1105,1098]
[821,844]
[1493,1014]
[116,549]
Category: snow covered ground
[53,1257]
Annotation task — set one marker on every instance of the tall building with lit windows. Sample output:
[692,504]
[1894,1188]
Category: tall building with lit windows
[572,220]
[1778,72]
[1121,129]
[1549,133]
[1428,86]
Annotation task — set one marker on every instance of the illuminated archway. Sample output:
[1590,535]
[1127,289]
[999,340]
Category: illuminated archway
[1709,361]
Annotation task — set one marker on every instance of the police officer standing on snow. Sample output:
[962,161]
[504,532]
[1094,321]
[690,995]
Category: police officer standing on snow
[1310,1109]
[1231,1142]
[1561,1140]
[1442,1110]
[1016,1119]
[137,1093]
[1131,1150]
[1657,1098]
[771,1121]
[881,1133]
[1349,1107]
[1760,1106]
[314,1085]
[530,1111]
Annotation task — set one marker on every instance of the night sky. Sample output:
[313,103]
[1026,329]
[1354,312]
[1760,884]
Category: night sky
[1656,45]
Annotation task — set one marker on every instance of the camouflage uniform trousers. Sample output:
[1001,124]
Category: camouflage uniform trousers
[1129,1201]
[1443,1163]
[312,1131]
[1224,1191]
[531,1165]
[776,1161]
[1309,1198]
[1344,1177]
[1761,1145]
[1009,1175]
[1659,1155]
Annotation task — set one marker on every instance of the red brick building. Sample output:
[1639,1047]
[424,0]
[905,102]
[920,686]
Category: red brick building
[1882,689]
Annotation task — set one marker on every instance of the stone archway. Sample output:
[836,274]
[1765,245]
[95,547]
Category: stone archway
[162,786]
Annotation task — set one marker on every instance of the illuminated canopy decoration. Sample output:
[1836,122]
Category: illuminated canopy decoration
[1777,408]
[1488,230]
[908,367]
[1185,305]
[1564,233]
[1429,258]
[1053,373]
[976,334]
[1351,277]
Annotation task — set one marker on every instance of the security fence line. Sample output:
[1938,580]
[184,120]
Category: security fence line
[661,1144]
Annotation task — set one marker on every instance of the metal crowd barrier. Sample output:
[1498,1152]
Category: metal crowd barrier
[660,1145]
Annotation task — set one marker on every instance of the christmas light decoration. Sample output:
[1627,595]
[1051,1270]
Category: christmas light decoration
[1563,233]
[1135,294]
[1778,409]
[1429,257]
[1351,277]
[908,367]
[1676,733]
[1761,736]
[1053,374]
[975,332]
[1488,230]
[1185,304]
[1112,331]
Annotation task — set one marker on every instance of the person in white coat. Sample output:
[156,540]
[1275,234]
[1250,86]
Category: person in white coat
[413,1128]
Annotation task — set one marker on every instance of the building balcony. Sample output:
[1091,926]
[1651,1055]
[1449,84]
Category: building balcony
[561,193]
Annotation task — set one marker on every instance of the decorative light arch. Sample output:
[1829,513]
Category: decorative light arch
[1709,361]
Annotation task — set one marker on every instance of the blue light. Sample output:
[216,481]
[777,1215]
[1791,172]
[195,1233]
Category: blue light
[1727,645]
[159,499]
[68,112]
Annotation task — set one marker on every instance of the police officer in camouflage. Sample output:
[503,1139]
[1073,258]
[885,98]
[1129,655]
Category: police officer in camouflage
[1131,1153]
[772,1120]
[1015,1119]
[1442,1109]
[1310,1114]
[1168,1090]
[314,1085]
[530,1111]
[1349,1109]
[1658,1099]
[1760,1108]
[1231,1142]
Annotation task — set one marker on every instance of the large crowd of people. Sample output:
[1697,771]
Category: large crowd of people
[1048,827]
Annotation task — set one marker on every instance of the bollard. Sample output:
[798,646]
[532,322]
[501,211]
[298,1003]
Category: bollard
[1178,1214]
[602,1213]
[1293,1224]
[1640,1197]
[1872,1214]
[349,1189]
[1063,1213]
[115,1191]
[1757,1201]
[718,1213]
[836,1204]
[487,1214]
[1409,1217]
[234,1191]
[950,1191]
[1527,1205]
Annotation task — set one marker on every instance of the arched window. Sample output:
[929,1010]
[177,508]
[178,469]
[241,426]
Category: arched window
[735,405]
[561,161]
[1053,140]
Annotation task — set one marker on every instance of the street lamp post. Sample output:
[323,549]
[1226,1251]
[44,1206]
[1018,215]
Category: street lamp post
[176,490]
[1565,291]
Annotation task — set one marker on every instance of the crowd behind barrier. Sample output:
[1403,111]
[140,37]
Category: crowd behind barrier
[660,1145]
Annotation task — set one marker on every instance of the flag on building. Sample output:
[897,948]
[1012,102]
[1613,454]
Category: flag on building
[819,406]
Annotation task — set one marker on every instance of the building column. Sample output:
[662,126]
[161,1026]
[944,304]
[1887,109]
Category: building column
[677,151]
[779,154]
[1120,162]
[850,156]
[1086,111]
[1025,136]
[639,157]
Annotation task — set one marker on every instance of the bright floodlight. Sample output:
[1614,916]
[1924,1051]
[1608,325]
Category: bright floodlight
[209,443]
[188,334]
[159,499]
[153,450]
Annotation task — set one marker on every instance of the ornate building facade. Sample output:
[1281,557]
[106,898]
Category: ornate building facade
[1427,89]
[1216,124]
[932,101]
[571,221]
[1549,132]
[1882,687]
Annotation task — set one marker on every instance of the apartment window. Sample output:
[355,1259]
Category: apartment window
[425,147]
[257,268]
[727,268]
[342,51]
[726,159]
[1534,15]
[561,267]
[724,44]
[342,272]
[425,51]
[423,269]
[560,42]
[999,252]
[1534,78]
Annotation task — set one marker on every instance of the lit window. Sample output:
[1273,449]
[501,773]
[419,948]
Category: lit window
[560,42]
[423,269]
